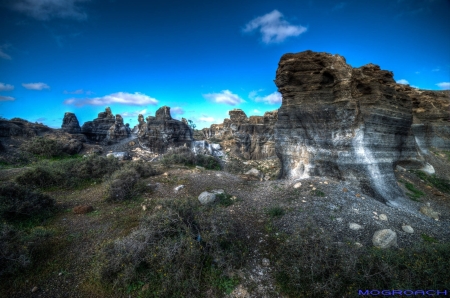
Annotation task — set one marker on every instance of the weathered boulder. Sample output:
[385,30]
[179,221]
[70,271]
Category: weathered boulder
[73,146]
[97,130]
[118,131]
[70,123]
[119,155]
[343,122]
[384,238]
[162,132]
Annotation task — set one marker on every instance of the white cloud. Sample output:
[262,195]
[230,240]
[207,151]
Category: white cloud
[6,98]
[417,72]
[256,111]
[273,98]
[133,99]
[6,87]
[273,28]
[78,91]
[224,97]
[403,81]
[36,86]
[414,86]
[47,9]
[436,69]
[444,85]
[206,119]
[2,51]
[176,111]
[134,113]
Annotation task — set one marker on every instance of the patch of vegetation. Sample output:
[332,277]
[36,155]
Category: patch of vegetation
[415,193]
[182,249]
[225,199]
[122,185]
[275,211]
[234,165]
[18,202]
[317,193]
[428,239]
[144,169]
[68,173]
[311,265]
[44,147]
[185,156]
[440,183]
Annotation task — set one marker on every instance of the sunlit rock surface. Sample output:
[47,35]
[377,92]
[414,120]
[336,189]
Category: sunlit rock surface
[344,122]
[97,129]
[161,132]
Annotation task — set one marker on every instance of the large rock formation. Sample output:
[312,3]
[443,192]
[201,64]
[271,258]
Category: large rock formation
[97,130]
[21,127]
[162,132]
[70,124]
[253,137]
[118,131]
[344,122]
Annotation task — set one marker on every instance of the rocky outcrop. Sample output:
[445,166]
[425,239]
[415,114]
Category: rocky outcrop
[97,130]
[343,122]
[431,116]
[253,137]
[118,131]
[70,124]
[21,127]
[162,132]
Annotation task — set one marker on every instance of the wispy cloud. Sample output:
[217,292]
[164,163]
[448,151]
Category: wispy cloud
[36,86]
[78,91]
[48,9]
[134,113]
[205,118]
[403,81]
[273,98]
[255,111]
[132,99]
[225,97]
[3,55]
[6,98]
[417,72]
[340,5]
[436,69]
[176,111]
[6,87]
[273,27]
[444,85]
[41,119]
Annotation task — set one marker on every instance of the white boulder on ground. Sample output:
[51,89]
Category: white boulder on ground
[384,238]
[254,172]
[297,185]
[354,226]
[408,229]
[176,189]
[207,197]
[119,155]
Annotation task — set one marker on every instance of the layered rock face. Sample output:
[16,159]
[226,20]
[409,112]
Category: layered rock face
[431,116]
[97,130]
[70,124]
[343,122]
[162,132]
[253,137]
[118,131]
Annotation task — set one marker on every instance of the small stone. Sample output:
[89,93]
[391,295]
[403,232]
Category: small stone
[145,287]
[325,182]
[358,244]
[374,213]
[339,219]
[354,226]
[178,188]
[314,188]
[199,167]
[384,238]
[408,229]
[265,262]
[311,185]
[297,185]
[166,174]
[358,195]
[158,207]
[303,201]
[34,289]
[345,189]
[144,207]
[383,217]
[83,209]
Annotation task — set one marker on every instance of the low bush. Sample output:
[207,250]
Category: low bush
[144,169]
[121,185]
[44,147]
[208,162]
[185,156]
[17,201]
[440,183]
[234,166]
[311,265]
[415,193]
[17,247]
[275,211]
[180,250]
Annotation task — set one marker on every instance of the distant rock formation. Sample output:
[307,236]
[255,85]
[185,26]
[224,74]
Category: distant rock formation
[161,132]
[97,130]
[253,137]
[70,124]
[118,131]
[344,122]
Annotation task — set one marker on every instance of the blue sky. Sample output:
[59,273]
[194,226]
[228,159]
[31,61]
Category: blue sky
[201,58]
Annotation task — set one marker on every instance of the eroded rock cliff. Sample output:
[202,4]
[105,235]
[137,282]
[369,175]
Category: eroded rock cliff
[162,132]
[70,123]
[344,122]
[97,129]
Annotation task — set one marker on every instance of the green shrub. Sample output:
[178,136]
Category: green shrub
[275,211]
[208,162]
[415,193]
[180,250]
[44,147]
[311,265]
[121,185]
[144,169]
[234,166]
[17,247]
[185,156]
[17,201]
[440,183]
[317,193]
